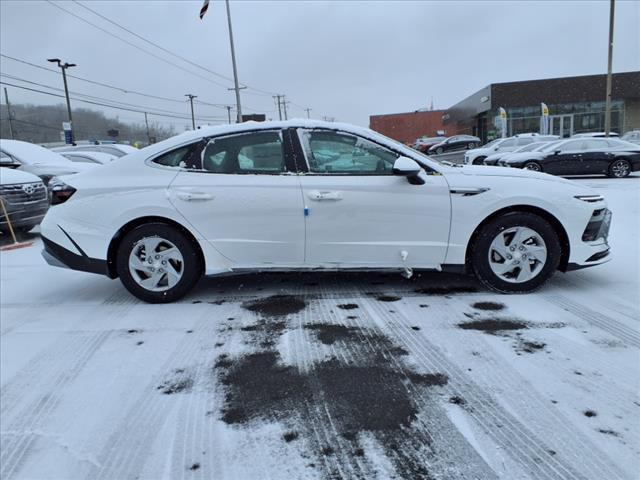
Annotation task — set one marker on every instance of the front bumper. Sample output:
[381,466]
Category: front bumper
[23,214]
[593,248]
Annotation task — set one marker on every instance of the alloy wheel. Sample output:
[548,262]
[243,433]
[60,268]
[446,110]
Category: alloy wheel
[156,264]
[532,166]
[620,168]
[517,254]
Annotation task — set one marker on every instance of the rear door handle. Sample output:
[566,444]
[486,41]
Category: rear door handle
[321,195]
[194,196]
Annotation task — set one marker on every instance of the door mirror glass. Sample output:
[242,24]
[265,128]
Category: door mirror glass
[406,167]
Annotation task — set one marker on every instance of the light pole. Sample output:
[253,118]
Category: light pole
[63,67]
[193,119]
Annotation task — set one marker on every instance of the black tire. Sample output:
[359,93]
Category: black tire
[471,146]
[479,255]
[479,160]
[439,150]
[535,166]
[619,168]
[192,267]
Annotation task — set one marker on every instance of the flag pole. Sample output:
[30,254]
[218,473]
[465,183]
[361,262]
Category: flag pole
[235,69]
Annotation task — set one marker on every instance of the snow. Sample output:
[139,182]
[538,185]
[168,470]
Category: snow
[81,362]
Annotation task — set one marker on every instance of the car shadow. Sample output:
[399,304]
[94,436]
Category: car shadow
[332,284]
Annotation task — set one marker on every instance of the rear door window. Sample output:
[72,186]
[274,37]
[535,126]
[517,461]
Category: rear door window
[258,153]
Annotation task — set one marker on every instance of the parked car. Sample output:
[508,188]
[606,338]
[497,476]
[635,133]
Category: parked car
[501,145]
[423,144]
[115,149]
[304,195]
[25,199]
[455,143]
[38,160]
[493,159]
[594,135]
[582,156]
[89,157]
[633,137]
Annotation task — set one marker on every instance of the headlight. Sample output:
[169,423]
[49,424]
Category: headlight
[590,198]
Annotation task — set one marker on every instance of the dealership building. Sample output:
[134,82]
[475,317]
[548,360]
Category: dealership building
[576,105]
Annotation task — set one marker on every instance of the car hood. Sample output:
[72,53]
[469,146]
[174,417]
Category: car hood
[487,171]
[10,176]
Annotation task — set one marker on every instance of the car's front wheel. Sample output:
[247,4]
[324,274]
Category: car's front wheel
[515,253]
[478,160]
[439,150]
[535,166]
[157,263]
[619,169]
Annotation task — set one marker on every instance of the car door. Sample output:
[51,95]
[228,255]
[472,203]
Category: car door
[362,215]
[241,192]
[595,156]
[565,159]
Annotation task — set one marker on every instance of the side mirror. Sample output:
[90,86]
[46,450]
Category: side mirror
[410,169]
[556,152]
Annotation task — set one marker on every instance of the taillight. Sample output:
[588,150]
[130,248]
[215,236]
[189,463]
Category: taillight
[60,192]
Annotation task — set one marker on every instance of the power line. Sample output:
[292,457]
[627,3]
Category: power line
[184,59]
[178,116]
[92,97]
[134,45]
[106,85]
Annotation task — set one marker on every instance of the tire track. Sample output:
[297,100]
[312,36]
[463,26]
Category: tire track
[502,427]
[130,444]
[547,421]
[618,329]
[24,431]
[433,428]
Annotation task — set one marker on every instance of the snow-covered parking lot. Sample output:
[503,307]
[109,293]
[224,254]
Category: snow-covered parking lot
[325,375]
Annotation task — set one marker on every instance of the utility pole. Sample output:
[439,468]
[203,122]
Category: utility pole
[228,107]
[284,107]
[63,67]
[607,109]
[146,122]
[235,69]
[308,110]
[193,118]
[6,97]
[277,98]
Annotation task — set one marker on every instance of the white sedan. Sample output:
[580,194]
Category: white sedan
[306,195]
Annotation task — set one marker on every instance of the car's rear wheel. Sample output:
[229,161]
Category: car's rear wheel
[439,150]
[157,263]
[620,168]
[535,166]
[478,160]
[515,253]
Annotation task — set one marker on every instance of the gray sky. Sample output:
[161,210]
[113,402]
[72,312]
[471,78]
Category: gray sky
[343,59]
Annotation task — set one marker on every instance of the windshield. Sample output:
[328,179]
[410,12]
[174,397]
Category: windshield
[531,147]
[493,143]
[549,146]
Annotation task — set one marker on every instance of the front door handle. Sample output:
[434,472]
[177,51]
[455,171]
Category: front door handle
[321,195]
[194,196]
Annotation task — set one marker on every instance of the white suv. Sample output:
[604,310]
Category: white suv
[501,145]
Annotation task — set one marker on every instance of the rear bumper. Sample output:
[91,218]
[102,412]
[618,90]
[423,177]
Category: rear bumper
[58,256]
